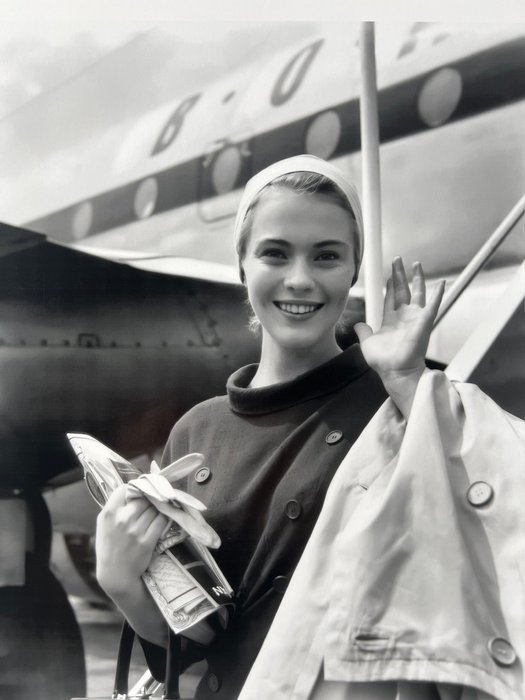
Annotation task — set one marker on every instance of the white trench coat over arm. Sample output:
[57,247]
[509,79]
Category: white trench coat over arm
[415,571]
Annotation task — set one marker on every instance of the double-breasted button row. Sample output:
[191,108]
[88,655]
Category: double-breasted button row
[479,494]
[502,651]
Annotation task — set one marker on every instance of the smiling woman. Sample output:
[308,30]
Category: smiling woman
[273,443]
[299,260]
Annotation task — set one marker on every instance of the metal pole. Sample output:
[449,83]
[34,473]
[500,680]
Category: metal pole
[373,259]
[481,257]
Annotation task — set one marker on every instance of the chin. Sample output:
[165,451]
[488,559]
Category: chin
[301,340]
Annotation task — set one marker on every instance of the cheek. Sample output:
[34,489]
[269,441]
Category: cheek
[339,285]
[258,286]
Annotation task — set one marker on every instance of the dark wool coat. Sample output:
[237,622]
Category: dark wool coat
[270,454]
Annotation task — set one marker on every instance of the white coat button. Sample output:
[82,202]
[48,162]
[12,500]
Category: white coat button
[333,437]
[479,494]
[502,651]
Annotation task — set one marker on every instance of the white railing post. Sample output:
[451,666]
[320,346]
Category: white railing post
[373,258]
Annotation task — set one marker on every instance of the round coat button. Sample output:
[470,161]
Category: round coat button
[213,682]
[333,437]
[479,493]
[202,475]
[502,651]
[280,584]
[293,509]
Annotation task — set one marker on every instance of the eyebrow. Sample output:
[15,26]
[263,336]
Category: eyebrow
[274,241]
[282,242]
[322,244]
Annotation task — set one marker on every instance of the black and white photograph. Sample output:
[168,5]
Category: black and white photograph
[262,350]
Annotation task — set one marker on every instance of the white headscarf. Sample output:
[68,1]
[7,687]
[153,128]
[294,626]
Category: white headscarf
[303,163]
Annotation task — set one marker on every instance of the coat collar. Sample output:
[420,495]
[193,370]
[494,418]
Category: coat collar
[322,380]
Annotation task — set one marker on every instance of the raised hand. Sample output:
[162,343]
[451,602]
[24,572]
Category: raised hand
[397,350]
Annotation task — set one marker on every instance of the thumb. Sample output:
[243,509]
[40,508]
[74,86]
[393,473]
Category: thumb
[363,331]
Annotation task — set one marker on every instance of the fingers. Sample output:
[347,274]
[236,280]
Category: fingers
[146,518]
[156,527]
[117,498]
[129,515]
[390,302]
[400,294]
[418,285]
[120,513]
[400,283]
[363,331]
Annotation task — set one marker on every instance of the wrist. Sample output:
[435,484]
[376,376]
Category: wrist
[401,386]
[120,587]
[407,375]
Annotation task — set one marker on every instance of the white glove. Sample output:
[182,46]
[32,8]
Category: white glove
[179,506]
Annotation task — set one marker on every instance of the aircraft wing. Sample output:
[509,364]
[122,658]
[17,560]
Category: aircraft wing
[90,344]
[167,264]
[14,239]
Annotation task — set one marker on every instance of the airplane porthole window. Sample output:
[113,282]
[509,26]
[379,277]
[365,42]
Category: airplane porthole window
[146,198]
[82,220]
[323,134]
[440,96]
[225,169]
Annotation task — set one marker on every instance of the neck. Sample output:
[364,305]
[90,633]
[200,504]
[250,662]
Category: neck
[280,364]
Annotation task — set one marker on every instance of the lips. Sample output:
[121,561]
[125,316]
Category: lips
[297,309]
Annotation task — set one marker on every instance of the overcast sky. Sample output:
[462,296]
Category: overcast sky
[72,69]
[45,42]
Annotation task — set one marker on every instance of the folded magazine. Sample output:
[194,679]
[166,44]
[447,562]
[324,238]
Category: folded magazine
[183,577]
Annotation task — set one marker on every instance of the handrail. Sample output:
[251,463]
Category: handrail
[481,257]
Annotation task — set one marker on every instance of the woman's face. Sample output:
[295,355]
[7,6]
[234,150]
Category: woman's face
[299,266]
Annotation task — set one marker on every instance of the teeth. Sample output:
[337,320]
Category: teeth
[298,308]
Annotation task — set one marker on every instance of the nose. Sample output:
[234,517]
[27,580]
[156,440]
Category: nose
[299,276]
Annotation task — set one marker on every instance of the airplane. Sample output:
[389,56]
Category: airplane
[121,304]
